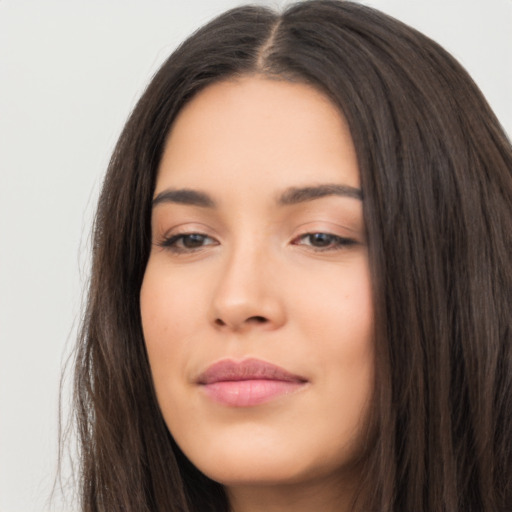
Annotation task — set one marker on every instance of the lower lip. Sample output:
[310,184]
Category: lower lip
[247,393]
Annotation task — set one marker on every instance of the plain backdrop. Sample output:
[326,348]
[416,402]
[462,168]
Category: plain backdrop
[70,73]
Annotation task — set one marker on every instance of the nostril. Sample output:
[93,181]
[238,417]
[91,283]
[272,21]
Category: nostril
[257,319]
[251,320]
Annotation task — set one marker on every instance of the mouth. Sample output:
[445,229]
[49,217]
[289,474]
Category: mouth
[248,383]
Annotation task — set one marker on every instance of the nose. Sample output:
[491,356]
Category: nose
[247,295]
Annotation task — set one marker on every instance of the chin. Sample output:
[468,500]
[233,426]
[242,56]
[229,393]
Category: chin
[270,462]
[253,472]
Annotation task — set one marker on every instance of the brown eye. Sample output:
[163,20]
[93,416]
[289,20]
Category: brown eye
[193,240]
[324,241]
[320,239]
[187,242]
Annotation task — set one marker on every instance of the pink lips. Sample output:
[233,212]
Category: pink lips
[247,383]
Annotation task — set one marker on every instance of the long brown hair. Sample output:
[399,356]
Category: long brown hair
[436,176]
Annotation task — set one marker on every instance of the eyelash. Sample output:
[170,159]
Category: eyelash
[175,243]
[171,243]
[336,242]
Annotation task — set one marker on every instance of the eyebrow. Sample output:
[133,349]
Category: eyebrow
[184,196]
[295,195]
[291,196]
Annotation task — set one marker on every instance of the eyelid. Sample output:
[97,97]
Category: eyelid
[335,242]
[172,239]
[329,227]
[182,228]
[172,243]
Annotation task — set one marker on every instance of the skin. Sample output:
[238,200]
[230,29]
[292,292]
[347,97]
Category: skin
[258,284]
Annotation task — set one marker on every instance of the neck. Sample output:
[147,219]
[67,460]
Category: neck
[334,496]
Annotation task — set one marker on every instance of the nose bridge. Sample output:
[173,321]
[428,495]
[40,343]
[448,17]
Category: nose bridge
[246,292]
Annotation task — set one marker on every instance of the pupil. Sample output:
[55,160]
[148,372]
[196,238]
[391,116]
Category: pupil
[320,240]
[191,241]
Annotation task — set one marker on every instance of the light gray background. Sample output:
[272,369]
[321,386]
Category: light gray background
[70,72]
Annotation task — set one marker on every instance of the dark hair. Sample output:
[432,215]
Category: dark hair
[436,176]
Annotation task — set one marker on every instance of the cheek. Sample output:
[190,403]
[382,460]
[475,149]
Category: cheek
[155,302]
[339,320]
[169,305]
[336,309]
[333,313]
[167,318]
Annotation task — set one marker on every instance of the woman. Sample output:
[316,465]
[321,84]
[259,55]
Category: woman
[300,297]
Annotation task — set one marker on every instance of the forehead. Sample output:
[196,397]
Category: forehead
[253,130]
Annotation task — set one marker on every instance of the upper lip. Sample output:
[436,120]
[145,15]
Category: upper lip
[248,369]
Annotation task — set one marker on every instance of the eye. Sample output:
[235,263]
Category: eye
[187,242]
[323,241]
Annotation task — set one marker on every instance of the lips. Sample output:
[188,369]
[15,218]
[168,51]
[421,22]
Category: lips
[247,383]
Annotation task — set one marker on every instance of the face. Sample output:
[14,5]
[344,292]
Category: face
[256,302]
